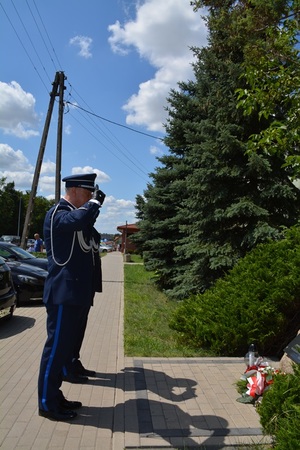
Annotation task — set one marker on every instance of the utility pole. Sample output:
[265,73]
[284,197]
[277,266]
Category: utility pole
[59,76]
[59,136]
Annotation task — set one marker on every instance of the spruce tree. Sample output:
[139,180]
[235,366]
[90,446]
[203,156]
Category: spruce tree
[212,201]
[159,211]
[236,200]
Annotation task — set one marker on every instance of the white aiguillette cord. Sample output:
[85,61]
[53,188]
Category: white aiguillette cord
[83,245]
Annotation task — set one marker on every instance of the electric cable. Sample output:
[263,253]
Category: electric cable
[85,112]
[115,123]
[115,142]
[104,135]
[119,143]
[40,33]
[111,138]
[24,48]
[30,40]
[109,149]
[50,42]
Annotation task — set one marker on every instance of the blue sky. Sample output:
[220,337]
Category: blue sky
[120,58]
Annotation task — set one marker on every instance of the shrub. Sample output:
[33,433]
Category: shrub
[279,411]
[258,301]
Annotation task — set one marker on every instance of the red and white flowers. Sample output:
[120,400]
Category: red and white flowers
[255,381]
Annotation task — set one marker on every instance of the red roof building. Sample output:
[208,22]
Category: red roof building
[127,230]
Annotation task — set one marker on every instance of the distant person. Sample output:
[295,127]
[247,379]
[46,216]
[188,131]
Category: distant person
[38,243]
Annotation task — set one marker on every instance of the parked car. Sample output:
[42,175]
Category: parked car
[10,238]
[28,281]
[12,252]
[105,248]
[8,297]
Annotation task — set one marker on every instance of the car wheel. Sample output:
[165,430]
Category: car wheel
[8,316]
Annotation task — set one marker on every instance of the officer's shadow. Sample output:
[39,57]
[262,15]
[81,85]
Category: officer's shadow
[139,379]
[176,427]
[153,418]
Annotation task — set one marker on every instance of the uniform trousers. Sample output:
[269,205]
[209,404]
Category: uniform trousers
[68,368]
[63,323]
[81,333]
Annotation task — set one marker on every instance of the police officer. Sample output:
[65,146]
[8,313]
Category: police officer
[72,245]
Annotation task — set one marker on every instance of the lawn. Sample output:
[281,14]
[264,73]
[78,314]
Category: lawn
[147,314]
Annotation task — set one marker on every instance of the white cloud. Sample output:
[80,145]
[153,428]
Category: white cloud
[68,129]
[115,212]
[11,159]
[156,151]
[84,43]
[21,179]
[46,186]
[48,167]
[15,167]
[17,114]
[102,177]
[162,33]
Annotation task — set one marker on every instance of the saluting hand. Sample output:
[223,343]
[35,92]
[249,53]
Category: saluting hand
[99,195]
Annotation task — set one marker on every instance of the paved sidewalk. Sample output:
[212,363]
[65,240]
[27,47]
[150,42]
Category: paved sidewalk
[175,403]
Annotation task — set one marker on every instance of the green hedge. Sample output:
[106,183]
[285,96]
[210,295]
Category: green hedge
[258,301]
[279,410]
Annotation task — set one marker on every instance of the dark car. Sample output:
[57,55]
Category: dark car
[10,238]
[12,252]
[28,281]
[7,291]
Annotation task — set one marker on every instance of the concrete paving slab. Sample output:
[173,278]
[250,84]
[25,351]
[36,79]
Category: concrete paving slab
[132,403]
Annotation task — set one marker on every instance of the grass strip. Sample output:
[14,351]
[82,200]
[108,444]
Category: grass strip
[146,318]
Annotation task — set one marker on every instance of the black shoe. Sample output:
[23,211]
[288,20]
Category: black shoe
[76,379]
[78,369]
[59,415]
[67,404]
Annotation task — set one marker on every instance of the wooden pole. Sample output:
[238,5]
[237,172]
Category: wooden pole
[39,162]
[59,136]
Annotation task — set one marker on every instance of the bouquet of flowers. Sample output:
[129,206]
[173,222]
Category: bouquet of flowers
[255,381]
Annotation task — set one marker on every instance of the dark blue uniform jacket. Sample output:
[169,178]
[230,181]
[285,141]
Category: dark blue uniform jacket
[72,245]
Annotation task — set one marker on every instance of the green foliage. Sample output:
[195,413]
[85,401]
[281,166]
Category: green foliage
[146,317]
[13,206]
[272,72]
[258,301]
[9,207]
[159,229]
[212,200]
[41,206]
[279,410]
[40,254]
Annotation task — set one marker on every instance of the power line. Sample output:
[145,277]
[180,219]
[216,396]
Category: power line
[96,126]
[115,123]
[46,32]
[133,161]
[113,140]
[40,33]
[30,40]
[24,48]
[110,150]
[33,46]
